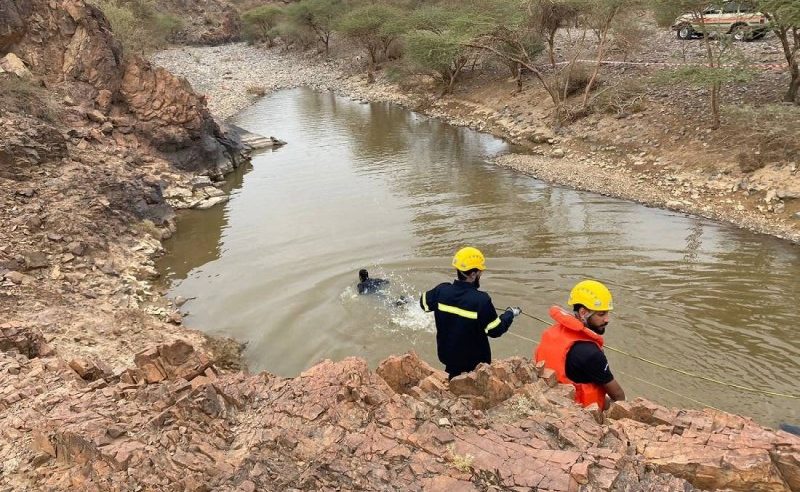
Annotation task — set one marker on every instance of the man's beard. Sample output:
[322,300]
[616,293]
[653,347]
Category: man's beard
[597,329]
[477,283]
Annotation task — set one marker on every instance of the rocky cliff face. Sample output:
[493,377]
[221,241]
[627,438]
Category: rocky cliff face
[69,46]
[173,422]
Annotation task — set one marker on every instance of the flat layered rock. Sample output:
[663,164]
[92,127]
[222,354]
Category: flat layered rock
[180,424]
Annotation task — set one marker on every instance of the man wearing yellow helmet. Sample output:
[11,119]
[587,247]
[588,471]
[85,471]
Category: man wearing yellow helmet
[465,316]
[573,346]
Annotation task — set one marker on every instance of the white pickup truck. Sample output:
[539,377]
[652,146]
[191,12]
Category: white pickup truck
[737,19]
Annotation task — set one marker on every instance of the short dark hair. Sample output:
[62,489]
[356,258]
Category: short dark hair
[577,307]
[363,274]
[464,275]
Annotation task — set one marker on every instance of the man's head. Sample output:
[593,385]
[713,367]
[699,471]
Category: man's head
[594,320]
[363,274]
[469,263]
[591,301]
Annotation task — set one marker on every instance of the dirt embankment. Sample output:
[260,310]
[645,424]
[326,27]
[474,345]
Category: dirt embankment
[94,150]
[663,155]
[104,390]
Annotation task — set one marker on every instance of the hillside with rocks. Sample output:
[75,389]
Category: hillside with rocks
[92,146]
[104,389]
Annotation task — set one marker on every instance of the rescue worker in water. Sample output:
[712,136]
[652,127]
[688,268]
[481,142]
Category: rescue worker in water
[367,285]
[465,317]
[573,346]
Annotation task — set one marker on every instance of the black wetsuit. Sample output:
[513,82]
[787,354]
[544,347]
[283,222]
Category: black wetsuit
[372,285]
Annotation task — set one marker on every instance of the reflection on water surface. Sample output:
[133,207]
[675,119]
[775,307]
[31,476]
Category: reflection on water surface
[376,186]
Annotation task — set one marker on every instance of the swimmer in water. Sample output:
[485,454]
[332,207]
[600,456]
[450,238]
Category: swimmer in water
[369,285]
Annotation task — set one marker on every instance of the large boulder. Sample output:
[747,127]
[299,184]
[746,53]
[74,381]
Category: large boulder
[403,372]
[12,64]
[175,119]
[489,385]
[69,44]
[178,360]
[711,449]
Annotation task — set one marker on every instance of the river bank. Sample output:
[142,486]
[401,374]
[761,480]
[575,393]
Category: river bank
[232,76]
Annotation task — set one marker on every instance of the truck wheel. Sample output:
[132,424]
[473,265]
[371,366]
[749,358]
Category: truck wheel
[684,32]
[741,33]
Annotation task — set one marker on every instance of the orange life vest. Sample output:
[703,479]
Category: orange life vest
[555,345]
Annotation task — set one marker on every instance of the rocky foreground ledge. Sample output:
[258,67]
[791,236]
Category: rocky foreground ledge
[174,422]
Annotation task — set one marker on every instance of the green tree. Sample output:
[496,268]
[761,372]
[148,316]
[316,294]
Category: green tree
[784,17]
[601,16]
[444,53]
[437,43]
[291,34]
[550,16]
[373,27]
[138,25]
[510,30]
[319,16]
[260,23]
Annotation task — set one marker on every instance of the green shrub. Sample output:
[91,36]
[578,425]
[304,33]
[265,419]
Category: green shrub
[260,23]
[138,25]
[374,28]
[627,97]
[166,25]
[294,36]
[317,16]
[443,53]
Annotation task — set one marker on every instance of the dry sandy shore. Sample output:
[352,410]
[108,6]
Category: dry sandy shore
[233,76]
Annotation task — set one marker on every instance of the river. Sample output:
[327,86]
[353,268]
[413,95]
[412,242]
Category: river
[376,186]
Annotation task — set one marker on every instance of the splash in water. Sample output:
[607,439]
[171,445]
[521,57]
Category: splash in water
[395,308]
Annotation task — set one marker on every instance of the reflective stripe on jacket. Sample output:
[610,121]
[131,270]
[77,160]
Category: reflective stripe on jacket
[465,318]
[555,345]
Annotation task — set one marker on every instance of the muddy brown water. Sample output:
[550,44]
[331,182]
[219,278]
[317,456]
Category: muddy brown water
[380,187]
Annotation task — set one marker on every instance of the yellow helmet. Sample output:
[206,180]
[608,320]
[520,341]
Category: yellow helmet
[591,294]
[468,258]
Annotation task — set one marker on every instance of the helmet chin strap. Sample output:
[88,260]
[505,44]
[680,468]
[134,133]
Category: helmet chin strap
[585,319]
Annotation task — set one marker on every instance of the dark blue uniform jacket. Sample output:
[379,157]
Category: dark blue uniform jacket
[465,318]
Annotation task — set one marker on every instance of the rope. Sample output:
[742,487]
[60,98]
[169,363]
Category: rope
[631,376]
[701,403]
[670,368]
